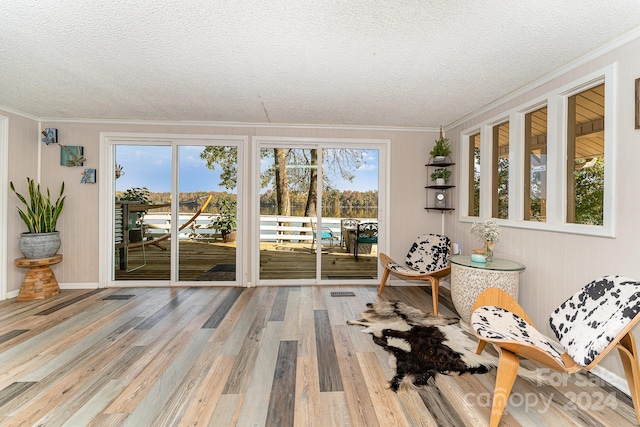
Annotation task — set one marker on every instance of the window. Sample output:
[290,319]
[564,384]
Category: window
[306,188]
[535,174]
[474,175]
[165,200]
[547,164]
[585,157]
[500,179]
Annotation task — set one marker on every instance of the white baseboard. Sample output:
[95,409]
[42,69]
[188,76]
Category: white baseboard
[613,379]
[94,285]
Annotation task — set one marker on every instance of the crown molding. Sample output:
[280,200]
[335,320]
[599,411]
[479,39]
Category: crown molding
[219,124]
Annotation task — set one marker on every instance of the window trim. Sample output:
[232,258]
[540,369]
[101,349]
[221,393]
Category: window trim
[495,157]
[384,182]
[556,101]
[471,172]
[108,141]
[526,164]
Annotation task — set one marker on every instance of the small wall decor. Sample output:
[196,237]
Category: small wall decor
[71,155]
[50,136]
[638,103]
[88,176]
[119,171]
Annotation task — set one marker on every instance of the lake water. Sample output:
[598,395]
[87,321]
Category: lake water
[328,212]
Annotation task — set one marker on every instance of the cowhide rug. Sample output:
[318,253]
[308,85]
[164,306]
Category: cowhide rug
[423,344]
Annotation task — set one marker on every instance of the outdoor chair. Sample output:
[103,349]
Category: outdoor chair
[594,321]
[366,234]
[325,234]
[428,260]
[347,224]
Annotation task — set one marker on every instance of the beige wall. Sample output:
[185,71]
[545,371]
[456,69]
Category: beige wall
[558,264]
[23,162]
[78,225]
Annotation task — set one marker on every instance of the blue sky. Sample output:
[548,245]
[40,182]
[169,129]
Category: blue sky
[150,166]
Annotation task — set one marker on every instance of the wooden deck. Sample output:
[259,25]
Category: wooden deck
[265,356]
[277,261]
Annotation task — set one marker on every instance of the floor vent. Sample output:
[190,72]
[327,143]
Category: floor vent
[118,297]
[343,294]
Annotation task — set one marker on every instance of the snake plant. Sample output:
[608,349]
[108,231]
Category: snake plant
[41,214]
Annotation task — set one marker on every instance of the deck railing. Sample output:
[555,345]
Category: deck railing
[272,227]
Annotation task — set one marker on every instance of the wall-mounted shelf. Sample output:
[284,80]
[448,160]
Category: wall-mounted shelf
[440,209]
[444,164]
[440,187]
[438,196]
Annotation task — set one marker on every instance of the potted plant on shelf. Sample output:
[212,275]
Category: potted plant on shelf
[226,221]
[441,150]
[40,216]
[441,176]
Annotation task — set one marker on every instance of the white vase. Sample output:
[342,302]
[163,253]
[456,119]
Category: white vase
[440,181]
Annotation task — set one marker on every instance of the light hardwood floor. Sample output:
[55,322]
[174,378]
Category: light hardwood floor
[273,356]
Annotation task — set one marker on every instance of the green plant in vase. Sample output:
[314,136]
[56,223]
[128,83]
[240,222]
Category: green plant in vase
[441,176]
[40,215]
[226,221]
[137,194]
[441,150]
[142,196]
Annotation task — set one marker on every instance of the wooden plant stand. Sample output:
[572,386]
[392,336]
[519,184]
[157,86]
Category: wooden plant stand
[39,282]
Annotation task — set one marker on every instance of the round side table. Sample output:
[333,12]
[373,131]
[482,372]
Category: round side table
[469,279]
[39,282]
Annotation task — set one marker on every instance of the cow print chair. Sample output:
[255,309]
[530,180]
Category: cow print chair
[595,320]
[428,260]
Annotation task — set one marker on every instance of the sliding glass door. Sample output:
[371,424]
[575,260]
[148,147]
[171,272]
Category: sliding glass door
[286,234]
[177,214]
[142,212]
[175,211]
[313,197]
[350,202]
[207,205]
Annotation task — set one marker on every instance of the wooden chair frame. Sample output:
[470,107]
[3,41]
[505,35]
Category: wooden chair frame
[510,352]
[433,277]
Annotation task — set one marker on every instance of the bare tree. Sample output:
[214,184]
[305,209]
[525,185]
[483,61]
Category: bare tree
[339,163]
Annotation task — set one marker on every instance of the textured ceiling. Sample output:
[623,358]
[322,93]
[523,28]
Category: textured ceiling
[353,62]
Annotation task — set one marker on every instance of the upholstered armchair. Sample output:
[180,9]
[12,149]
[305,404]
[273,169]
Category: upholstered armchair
[427,259]
[594,321]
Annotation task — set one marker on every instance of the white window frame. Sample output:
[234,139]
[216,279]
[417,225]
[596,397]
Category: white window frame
[4,200]
[384,180]
[108,140]
[557,110]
